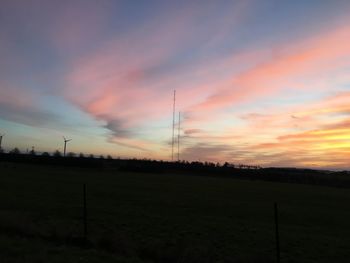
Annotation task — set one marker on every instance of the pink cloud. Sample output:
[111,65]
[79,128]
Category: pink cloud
[294,66]
[126,81]
[122,80]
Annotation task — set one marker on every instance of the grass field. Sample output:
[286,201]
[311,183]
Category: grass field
[166,218]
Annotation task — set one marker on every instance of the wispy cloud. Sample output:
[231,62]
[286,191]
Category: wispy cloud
[247,91]
[208,152]
[20,106]
[305,65]
[129,80]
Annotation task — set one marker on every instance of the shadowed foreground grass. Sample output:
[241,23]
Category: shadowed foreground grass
[165,218]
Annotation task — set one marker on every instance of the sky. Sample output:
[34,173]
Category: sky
[257,82]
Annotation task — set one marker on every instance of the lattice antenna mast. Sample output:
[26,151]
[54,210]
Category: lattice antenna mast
[173,137]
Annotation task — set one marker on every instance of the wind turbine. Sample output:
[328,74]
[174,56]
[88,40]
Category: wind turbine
[65,145]
[2,135]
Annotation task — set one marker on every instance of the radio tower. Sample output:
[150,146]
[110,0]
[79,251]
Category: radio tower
[173,138]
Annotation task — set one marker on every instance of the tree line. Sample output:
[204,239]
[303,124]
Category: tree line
[195,168]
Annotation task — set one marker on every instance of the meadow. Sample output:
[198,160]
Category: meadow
[168,217]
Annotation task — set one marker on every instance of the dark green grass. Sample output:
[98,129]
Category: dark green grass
[165,218]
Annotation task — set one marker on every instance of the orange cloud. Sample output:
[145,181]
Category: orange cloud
[129,81]
[313,135]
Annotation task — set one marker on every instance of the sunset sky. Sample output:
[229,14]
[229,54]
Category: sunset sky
[257,82]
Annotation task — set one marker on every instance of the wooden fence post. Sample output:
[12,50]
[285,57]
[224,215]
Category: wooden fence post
[277,234]
[85,214]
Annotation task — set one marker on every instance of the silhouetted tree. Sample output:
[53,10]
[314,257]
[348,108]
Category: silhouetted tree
[15,151]
[91,156]
[45,154]
[32,151]
[102,157]
[71,154]
[81,155]
[57,153]
[109,157]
